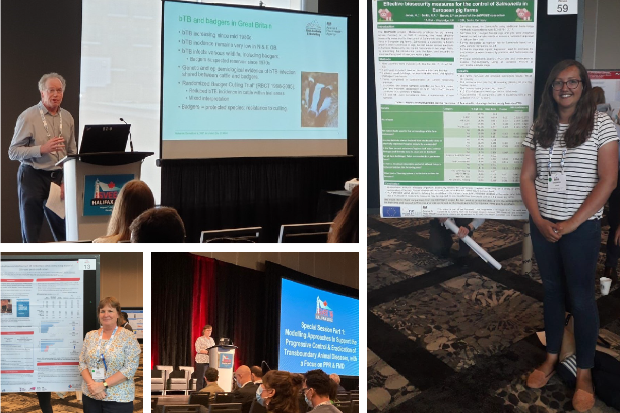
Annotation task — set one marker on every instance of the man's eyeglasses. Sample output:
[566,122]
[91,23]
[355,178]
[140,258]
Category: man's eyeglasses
[52,91]
[572,84]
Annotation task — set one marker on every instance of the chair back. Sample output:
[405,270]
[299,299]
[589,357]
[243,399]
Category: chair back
[223,398]
[343,406]
[166,370]
[304,232]
[225,407]
[251,234]
[181,408]
[178,380]
[201,398]
[355,405]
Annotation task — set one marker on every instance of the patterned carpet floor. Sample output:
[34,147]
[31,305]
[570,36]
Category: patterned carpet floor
[28,402]
[451,338]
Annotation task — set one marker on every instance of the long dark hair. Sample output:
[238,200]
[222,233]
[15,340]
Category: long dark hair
[581,122]
[346,224]
[287,386]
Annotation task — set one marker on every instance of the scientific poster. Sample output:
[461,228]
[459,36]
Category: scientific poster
[455,99]
[42,325]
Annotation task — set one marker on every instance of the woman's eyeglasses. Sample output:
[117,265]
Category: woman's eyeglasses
[572,84]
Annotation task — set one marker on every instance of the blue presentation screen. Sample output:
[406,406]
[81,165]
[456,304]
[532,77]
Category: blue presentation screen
[235,74]
[318,330]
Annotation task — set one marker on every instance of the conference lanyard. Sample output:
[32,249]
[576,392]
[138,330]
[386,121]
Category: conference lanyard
[45,122]
[105,350]
[551,155]
[49,136]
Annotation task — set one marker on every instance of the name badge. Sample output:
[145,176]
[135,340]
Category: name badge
[557,183]
[98,373]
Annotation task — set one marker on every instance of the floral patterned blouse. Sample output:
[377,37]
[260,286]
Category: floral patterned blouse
[123,355]
[203,343]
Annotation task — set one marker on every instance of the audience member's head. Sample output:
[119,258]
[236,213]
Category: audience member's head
[134,198]
[335,378]
[257,374]
[158,225]
[346,224]
[279,391]
[124,316]
[598,94]
[243,375]
[212,375]
[318,387]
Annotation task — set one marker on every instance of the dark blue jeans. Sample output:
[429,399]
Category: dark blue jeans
[613,250]
[200,370]
[33,187]
[568,269]
[102,406]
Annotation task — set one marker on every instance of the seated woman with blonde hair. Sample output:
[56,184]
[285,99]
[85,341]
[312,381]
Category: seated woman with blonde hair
[133,199]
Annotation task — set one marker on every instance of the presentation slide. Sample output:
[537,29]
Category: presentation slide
[252,82]
[318,330]
[455,99]
[42,324]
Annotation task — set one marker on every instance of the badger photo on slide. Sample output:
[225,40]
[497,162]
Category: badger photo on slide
[319,99]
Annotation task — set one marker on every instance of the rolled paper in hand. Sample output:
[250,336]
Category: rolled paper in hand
[486,257]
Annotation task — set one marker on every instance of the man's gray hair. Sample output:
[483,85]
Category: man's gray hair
[48,76]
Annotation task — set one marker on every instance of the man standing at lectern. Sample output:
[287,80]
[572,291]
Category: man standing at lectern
[44,134]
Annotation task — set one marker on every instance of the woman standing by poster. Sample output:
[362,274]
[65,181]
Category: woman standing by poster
[569,170]
[108,362]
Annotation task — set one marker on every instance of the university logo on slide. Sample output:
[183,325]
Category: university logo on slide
[225,361]
[313,28]
[323,312]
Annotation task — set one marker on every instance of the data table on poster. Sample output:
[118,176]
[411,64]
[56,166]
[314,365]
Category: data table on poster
[466,144]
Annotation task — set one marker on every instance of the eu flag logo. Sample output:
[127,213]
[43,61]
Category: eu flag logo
[391,212]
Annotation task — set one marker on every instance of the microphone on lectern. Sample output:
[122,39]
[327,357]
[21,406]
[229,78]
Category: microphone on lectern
[130,142]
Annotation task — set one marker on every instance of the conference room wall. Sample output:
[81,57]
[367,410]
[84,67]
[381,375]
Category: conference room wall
[601,34]
[338,267]
[121,275]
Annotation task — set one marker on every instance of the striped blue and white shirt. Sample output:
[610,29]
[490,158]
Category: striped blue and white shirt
[580,168]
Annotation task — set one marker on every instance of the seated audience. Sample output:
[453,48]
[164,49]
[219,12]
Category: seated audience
[346,224]
[161,224]
[246,391]
[257,375]
[212,387]
[336,380]
[317,390]
[279,390]
[133,199]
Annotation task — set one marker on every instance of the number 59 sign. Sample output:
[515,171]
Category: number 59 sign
[562,7]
